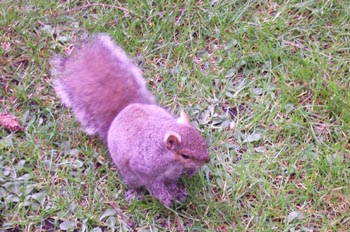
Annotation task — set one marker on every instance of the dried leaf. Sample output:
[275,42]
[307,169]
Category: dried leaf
[10,123]
[252,138]
[107,213]
[3,192]
[13,187]
[67,225]
[230,73]
[97,229]
[291,216]
[40,197]
[111,221]
[294,215]
[260,149]
[6,141]
[26,176]
[12,198]
[29,188]
[48,29]
[258,91]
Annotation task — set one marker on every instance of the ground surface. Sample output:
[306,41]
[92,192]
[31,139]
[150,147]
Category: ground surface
[266,82]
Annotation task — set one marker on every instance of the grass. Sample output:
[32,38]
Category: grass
[266,82]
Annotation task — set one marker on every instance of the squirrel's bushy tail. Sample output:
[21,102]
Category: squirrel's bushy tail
[97,81]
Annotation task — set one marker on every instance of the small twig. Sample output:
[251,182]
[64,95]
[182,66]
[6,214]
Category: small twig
[306,99]
[298,45]
[179,226]
[119,212]
[126,11]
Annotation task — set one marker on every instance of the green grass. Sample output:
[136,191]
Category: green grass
[266,82]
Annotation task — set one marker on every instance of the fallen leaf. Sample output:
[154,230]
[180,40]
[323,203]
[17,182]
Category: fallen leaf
[40,197]
[10,123]
[294,215]
[67,225]
[252,138]
[107,213]
[291,216]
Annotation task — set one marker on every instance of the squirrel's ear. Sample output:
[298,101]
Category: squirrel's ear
[183,119]
[172,140]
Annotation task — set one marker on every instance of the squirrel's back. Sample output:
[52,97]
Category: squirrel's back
[97,81]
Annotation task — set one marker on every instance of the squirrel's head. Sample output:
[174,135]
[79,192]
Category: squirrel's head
[187,145]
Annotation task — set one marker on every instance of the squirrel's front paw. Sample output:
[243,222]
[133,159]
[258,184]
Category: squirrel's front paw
[134,194]
[181,195]
[178,192]
[168,202]
[162,193]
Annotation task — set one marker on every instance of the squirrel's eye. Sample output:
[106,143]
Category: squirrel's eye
[184,156]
